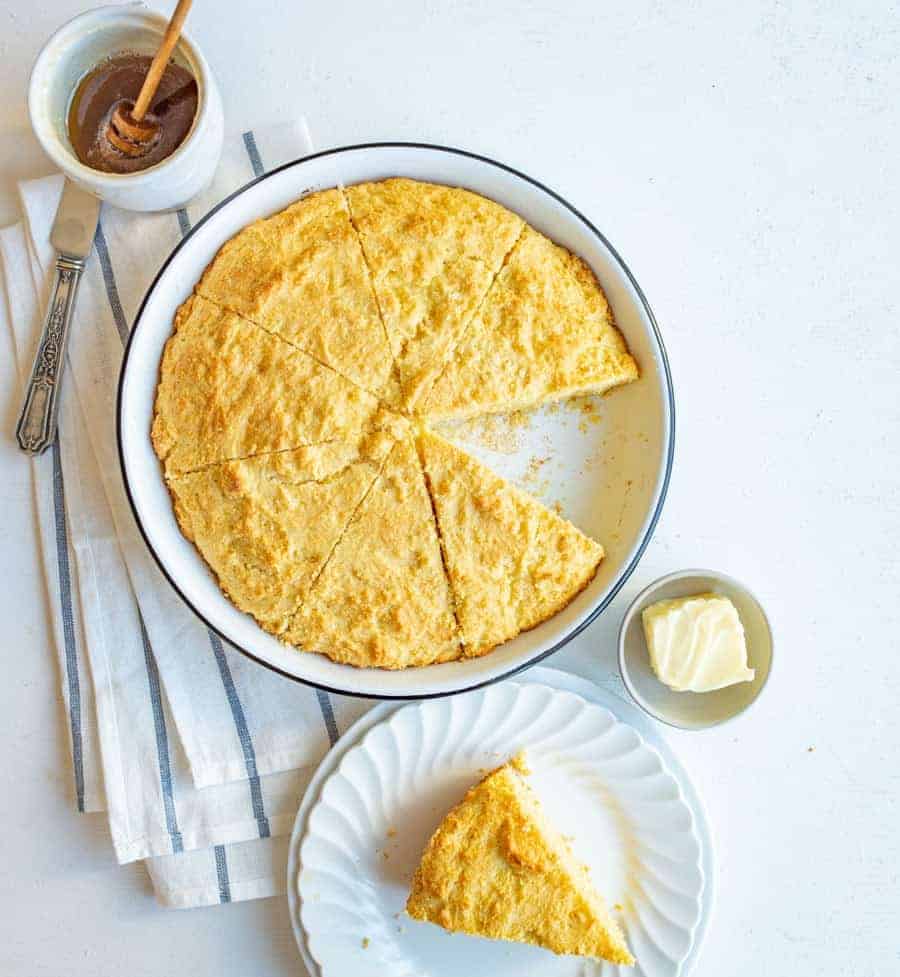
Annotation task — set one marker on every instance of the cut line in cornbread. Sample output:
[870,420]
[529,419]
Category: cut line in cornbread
[545,332]
[433,252]
[512,562]
[229,389]
[382,599]
[267,525]
[301,275]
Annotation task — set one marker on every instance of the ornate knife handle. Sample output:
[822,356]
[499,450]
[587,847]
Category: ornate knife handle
[36,429]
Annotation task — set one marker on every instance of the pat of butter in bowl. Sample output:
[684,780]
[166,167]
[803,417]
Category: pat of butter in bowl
[696,644]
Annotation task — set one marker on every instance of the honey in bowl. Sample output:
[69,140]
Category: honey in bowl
[116,82]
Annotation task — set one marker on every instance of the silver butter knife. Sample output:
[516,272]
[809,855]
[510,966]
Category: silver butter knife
[72,235]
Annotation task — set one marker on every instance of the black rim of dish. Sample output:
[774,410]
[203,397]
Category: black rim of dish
[657,511]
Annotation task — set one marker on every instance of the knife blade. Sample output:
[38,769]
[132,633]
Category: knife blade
[73,229]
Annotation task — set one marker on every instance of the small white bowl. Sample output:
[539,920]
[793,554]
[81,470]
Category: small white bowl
[693,710]
[70,53]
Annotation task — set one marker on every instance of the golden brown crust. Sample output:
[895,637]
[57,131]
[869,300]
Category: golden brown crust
[228,390]
[301,274]
[433,252]
[496,867]
[544,332]
[382,599]
[512,562]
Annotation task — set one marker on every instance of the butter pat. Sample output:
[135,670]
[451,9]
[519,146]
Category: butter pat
[696,644]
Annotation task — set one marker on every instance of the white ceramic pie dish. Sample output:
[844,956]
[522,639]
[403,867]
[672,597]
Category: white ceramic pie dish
[610,473]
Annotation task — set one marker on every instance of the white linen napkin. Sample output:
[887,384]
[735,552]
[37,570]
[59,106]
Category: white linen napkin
[209,807]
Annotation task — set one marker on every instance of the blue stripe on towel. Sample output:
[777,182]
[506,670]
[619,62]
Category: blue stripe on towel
[184,222]
[222,873]
[240,722]
[253,154]
[68,623]
[323,697]
[109,282]
[162,744]
[328,715]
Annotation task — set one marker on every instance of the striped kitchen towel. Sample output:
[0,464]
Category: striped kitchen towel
[203,754]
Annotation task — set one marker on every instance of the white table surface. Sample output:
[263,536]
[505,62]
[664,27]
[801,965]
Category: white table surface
[743,159]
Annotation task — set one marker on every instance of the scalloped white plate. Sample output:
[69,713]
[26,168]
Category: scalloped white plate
[601,783]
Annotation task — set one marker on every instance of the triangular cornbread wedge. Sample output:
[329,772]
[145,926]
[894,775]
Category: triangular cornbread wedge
[301,274]
[266,525]
[496,867]
[382,600]
[228,390]
[544,332]
[433,252]
[512,562]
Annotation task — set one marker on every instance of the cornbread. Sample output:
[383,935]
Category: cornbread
[267,525]
[382,599]
[301,275]
[545,332]
[697,643]
[283,409]
[433,252]
[497,868]
[229,390]
[512,562]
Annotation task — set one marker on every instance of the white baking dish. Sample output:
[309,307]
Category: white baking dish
[609,474]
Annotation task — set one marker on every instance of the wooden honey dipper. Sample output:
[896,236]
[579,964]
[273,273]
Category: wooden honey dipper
[129,131]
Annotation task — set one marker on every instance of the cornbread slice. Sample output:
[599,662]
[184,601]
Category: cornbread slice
[433,252]
[266,525]
[228,390]
[301,274]
[512,562]
[496,867]
[545,332]
[382,600]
